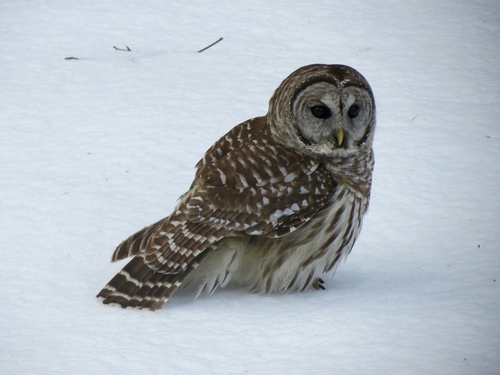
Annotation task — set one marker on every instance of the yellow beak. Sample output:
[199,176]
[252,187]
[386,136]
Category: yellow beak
[340,136]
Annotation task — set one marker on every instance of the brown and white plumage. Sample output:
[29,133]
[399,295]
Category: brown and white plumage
[275,203]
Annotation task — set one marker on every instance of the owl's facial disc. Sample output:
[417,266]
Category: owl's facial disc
[324,112]
[330,116]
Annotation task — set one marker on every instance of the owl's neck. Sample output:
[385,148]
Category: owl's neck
[353,169]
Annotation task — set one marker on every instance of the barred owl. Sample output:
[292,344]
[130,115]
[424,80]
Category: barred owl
[275,204]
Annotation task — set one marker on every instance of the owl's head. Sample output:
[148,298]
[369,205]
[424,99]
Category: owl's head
[323,109]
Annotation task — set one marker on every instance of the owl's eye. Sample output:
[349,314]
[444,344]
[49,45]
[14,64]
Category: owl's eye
[321,111]
[353,111]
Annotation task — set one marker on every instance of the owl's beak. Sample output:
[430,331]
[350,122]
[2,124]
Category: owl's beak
[340,136]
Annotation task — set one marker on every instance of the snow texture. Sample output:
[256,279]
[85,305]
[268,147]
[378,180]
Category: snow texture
[93,149]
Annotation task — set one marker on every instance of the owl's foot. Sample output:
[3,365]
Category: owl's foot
[318,284]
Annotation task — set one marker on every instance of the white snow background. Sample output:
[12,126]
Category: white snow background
[94,149]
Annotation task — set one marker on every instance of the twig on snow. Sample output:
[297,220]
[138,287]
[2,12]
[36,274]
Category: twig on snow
[71,58]
[123,49]
[207,47]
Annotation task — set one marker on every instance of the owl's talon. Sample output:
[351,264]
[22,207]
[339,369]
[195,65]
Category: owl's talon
[318,284]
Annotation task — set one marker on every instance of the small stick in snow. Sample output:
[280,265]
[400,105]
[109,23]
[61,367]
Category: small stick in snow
[71,58]
[207,47]
[123,49]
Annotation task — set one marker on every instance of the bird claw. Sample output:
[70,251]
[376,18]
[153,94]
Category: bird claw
[318,284]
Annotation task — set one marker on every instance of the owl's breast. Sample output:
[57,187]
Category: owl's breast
[293,262]
[340,226]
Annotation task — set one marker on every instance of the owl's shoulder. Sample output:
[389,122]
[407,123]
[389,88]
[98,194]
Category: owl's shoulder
[233,140]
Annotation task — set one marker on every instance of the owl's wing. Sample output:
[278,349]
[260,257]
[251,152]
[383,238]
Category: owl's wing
[245,184]
[256,188]
[259,188]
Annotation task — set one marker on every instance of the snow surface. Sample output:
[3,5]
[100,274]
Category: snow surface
[93,149]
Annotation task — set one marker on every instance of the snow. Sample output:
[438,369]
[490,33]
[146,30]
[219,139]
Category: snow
[93,149]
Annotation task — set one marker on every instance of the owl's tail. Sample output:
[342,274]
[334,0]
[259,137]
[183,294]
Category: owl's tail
[164,254]
[137,285]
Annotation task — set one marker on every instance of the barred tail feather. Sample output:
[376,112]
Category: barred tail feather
[137,285]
